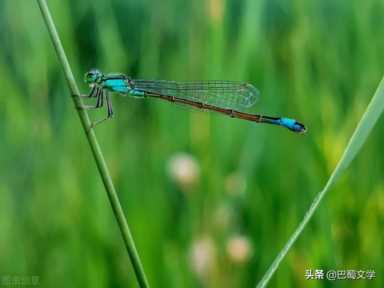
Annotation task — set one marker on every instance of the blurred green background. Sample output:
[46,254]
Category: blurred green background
[210,200]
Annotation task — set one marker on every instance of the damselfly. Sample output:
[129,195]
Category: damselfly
[227,97]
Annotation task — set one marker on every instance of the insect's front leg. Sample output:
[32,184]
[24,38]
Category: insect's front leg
[100,99]
[92,93]
[107,97]
[99,94]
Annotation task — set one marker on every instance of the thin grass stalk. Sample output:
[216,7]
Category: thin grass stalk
[94,145]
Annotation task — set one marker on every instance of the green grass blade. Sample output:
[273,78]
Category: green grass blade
[96,150]
[360,135]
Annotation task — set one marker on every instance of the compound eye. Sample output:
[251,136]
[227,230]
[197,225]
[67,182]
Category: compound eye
[89,77]
[92,76]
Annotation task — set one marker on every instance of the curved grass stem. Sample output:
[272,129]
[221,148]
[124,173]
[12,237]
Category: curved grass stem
[367,122]
[94,145]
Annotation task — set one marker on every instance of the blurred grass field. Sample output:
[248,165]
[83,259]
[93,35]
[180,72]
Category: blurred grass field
[210,200]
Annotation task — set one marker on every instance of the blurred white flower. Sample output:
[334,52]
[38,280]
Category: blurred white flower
[184,169]
[235,184]
[202,257]
[239,249]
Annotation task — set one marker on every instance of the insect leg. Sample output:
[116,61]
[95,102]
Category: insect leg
[99,101]
[109,104]
[109,109]
[91,93]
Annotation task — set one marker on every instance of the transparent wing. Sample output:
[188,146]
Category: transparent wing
[224,94]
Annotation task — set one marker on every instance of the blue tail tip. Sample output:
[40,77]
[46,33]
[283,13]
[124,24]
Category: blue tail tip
[293,125]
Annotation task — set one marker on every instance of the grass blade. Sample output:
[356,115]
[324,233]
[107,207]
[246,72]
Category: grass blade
[360,135]
[94,145]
